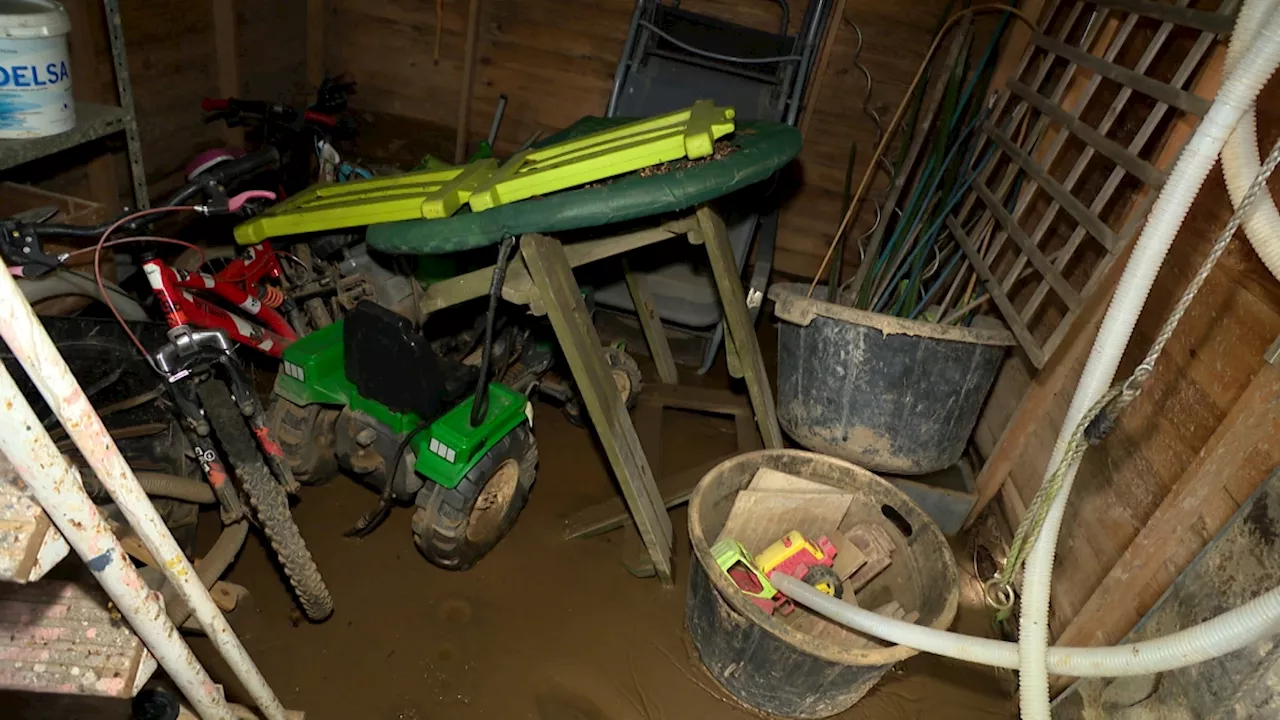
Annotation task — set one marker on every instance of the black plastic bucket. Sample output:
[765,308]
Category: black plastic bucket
[765,663]
[892,395]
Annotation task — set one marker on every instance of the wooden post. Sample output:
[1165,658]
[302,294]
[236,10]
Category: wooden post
[468,74]
[103,187]
[654,334]
[315,42]
[1015,44]
[1062,367]
[1250,433]
[224,41]
[738,325]
[820,71]
[559,295]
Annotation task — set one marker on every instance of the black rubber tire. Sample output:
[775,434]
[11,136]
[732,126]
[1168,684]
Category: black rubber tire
[306,436]
[819,574]
[622,365]
[443,518]
[268,498]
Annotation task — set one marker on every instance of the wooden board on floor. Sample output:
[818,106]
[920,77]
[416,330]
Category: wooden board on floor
[760,517]
[612,513]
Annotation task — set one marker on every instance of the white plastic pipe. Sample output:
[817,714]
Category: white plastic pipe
[29,342]
[1226,633]
[1239,91]
[1240,158]
[57,486]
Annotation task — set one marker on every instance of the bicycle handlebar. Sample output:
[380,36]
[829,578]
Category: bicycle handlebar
[265,109]
[218,175]
[210,104]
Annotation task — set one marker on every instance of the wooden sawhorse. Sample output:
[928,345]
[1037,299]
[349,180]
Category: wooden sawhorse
[542,278]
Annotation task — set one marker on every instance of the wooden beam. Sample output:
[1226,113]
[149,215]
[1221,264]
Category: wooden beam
[1071,353]
[1052,378]
[559,294]
[655,336]
[315,42]
[103,186]
[820,71]
[738,325]
[224,43]
[1016,41]
[1252,426]
[468,73]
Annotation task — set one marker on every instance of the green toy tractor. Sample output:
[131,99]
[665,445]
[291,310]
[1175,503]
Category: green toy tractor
[368,394]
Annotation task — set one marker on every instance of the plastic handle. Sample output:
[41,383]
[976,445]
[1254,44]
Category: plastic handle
[238,201]
[215,104]
[319,118]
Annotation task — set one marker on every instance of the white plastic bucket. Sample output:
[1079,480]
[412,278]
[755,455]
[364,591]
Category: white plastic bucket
[35,72]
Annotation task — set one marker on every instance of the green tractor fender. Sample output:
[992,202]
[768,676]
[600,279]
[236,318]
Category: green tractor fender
[312,374]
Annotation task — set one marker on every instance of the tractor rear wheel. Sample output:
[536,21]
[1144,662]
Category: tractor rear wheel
[305,434]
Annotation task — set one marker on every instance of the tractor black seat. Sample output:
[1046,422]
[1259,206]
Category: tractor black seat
[391,363]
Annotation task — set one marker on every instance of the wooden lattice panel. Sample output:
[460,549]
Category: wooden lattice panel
[1069,181]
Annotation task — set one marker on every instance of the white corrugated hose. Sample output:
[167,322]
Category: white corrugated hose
[1254,56]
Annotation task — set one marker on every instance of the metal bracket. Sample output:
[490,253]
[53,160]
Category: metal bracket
[184,343]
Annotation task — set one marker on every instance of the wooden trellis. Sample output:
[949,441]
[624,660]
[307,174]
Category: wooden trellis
[1068,183]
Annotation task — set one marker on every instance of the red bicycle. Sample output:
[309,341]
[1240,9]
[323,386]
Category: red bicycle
[243,282]
[208,390]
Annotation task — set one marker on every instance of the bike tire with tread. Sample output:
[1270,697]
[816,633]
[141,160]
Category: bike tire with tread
[269,500]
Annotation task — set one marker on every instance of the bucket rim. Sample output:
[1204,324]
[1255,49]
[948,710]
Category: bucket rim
[33,20]
[823,649]
[791,305]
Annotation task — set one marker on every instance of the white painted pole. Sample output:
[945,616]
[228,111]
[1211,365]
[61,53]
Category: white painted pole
[56,485]
[29,342]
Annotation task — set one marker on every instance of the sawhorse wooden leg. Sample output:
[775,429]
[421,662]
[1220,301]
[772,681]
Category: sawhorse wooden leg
[654,334]
[559,295]
[740,335]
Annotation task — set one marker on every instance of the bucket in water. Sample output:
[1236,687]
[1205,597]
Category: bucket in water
[35,73]
[779,666]
[892,395]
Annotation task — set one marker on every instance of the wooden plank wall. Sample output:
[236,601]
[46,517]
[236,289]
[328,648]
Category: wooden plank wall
[555,62]
[1206,369]
[172,62]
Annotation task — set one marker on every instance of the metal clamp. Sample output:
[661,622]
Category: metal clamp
[998,594]
[184,343]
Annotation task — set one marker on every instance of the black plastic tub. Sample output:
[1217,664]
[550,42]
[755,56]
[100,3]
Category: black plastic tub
[892,395]
[769,665]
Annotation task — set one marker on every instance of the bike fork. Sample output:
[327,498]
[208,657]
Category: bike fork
[245,399]
[200,437]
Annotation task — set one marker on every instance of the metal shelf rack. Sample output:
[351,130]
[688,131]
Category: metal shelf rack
[94,121]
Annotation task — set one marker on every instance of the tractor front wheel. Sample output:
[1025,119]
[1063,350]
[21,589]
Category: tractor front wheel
[455,527]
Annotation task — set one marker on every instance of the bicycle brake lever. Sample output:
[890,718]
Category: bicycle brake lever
[234,203]
[22,248]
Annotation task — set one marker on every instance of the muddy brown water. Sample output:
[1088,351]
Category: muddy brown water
[542,628]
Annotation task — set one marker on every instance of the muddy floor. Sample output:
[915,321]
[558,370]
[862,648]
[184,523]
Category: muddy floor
[542,628]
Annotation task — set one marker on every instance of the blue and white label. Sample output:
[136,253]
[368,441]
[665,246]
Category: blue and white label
[35,87]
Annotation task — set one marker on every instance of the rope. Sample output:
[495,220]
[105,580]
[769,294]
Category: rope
[1101,417]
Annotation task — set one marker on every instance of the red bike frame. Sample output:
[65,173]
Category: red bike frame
[240,283]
